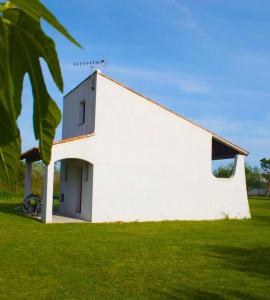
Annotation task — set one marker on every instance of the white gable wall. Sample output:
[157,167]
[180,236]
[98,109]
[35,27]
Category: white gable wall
[153,165]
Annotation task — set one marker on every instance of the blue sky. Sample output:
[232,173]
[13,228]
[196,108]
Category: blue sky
[208,60]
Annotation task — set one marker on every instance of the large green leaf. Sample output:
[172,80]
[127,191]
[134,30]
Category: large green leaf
[28,43]
[9,137]
[22,45]
[9,159]
[37,10]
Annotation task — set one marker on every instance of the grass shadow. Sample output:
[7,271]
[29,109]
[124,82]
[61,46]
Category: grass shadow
[15,209]
[254,261]
[186,293]
[192,293]
[10,208]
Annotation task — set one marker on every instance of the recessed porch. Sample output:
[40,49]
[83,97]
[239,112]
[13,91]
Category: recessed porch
[76,180]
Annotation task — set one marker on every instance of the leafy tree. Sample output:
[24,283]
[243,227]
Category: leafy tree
[22,44]
[254,178]
[16,186]
[265,165]
[224,172]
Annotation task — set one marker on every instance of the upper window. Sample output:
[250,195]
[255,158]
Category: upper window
[82,112]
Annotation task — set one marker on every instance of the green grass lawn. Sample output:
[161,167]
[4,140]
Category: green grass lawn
[228,259]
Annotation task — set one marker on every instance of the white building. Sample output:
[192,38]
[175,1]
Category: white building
[126,158]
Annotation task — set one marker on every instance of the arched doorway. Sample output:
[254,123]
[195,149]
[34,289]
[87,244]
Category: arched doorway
[76,189]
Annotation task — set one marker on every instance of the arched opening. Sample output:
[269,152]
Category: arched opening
[223,168]
[223,159]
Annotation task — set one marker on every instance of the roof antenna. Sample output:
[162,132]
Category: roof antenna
[93,64]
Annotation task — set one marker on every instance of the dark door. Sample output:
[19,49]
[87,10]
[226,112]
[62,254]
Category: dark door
[80,191]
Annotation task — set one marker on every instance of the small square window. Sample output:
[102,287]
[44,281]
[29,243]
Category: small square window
[82,112]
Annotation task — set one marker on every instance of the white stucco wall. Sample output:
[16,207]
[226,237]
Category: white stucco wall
[153,165]
[149,164]
[71,109]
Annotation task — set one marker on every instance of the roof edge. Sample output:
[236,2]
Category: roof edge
[214,135]
[88,77]
[35,150]
[74,138]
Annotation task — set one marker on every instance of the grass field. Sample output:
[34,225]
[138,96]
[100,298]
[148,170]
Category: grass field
[228,259]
